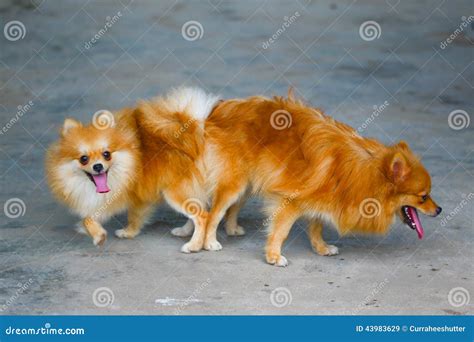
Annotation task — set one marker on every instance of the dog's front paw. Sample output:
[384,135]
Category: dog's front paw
[327,250]
[276,259]
[125,233]
[99,238]
[190,247]
[212,245]
[235,231]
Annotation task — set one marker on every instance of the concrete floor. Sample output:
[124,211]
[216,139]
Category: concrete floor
[46,268]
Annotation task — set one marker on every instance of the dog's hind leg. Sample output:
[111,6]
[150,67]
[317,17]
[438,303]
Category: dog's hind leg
[316,237]
[224,197]
[184,231]
[232,228]
[283,219]
[138,214]
[193,208]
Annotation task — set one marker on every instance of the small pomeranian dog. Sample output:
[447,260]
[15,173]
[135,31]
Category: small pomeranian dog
[306,164]
[131,160]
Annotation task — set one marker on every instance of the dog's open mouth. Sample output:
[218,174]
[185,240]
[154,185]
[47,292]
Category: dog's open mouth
[100,182]
[411,219]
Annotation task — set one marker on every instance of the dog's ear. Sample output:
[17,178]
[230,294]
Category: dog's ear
[398,167]
[403,145]
[68,124]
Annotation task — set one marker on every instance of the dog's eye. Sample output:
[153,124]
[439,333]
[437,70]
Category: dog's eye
[84,160]
[107,155]
[424,198]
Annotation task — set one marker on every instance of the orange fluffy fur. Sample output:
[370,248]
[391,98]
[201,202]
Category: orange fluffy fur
[155,150]
[190,146]
[316,168]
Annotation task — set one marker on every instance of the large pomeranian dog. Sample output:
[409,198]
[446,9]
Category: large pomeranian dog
[133,159]
[306,164]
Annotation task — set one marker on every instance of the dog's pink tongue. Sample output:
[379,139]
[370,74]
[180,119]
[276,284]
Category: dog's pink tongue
[419,227]
[101,183]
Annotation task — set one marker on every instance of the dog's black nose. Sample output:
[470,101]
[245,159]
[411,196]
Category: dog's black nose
[98,167]
[438,211]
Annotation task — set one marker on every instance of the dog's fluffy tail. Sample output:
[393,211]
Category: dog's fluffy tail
[194,102]
[178,118]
